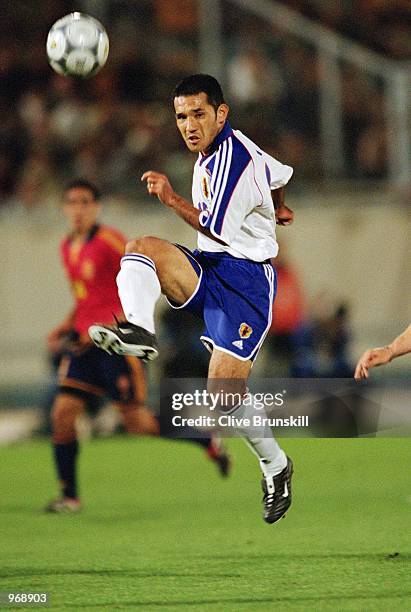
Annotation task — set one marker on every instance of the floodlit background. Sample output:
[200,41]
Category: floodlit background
[321,85]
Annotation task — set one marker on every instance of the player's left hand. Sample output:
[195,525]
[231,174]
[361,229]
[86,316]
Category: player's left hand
[284,215]
[159,185]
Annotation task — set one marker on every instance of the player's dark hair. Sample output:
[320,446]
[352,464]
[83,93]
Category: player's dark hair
[201,83]
[83,184]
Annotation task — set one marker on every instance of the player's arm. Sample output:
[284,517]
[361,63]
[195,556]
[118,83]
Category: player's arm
[60,331]
[159,185]
[230,203]
[401,345]
[278,175]
[283,214]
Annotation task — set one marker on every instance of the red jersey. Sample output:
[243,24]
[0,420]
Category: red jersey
[92,271]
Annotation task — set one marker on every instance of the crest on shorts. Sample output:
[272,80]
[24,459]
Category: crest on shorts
[205,187]
[245,330]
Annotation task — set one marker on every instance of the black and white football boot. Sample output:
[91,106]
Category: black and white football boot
[277,494]
[124,338]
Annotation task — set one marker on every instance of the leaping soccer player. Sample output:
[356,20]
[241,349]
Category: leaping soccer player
[238,195]
[91,256]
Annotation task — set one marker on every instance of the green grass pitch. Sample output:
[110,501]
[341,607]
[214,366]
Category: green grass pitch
[161,530]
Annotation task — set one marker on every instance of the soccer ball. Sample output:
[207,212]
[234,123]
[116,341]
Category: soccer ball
[77,45]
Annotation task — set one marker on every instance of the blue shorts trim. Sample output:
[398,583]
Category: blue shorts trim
[235,298]
[196,298]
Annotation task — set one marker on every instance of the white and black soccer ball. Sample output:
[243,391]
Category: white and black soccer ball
[77,45]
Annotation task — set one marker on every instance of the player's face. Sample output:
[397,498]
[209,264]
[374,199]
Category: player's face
[198,121]
[81,209]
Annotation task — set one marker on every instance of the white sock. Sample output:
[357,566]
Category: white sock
[261,440]
[138,289]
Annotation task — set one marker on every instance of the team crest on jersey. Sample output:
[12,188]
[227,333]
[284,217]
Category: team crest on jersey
[79,289]
[87,269]
[205,187]
[245,330]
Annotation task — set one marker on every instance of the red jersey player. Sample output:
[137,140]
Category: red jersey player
[91,256]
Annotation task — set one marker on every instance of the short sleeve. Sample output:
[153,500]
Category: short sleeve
[277,174]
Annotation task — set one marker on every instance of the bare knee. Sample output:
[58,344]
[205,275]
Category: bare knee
[138,420]
[146,245]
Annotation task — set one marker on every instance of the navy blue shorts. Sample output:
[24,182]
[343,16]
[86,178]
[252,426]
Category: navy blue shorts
[95,373]
[235,299]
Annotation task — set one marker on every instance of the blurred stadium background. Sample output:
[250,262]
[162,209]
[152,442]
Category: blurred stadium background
[323,86]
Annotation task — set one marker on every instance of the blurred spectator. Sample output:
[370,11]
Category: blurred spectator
[372,153]
[253,78]
[183,20]
[290,340]
[299,108]
[334,335]
[288,310]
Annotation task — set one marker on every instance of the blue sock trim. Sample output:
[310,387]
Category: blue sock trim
[139,259]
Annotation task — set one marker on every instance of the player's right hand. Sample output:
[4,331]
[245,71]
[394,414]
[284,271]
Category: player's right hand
[370,359]
[159,185]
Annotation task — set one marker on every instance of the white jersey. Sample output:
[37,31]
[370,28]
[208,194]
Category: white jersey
[232,189]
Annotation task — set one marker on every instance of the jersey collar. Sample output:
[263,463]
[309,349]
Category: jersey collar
[90,235]
[225,133]
[93,232]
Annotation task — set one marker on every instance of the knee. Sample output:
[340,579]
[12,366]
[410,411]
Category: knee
[146,245]
[63,420]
